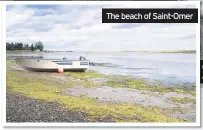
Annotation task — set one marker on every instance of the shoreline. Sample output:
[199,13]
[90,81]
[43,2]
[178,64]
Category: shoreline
[169,82]
[95,90]
[161,51]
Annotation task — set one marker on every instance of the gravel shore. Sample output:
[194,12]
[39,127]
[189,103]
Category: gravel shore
[22,109]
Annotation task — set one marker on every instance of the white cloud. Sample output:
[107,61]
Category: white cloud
[77,27]
[17,16]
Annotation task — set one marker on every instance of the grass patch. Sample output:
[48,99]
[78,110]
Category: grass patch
[182,110]
[171,51]
[193,92]
[182,100]
[142,85]
[37,79]
[86,75]
[10,62]
[90,84]
[39,88]
[179,51]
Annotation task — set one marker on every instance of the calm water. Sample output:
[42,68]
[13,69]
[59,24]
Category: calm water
[166,67]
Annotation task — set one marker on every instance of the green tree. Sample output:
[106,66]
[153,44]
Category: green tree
[39,45]
[32,47]
[12,46]
[26,47]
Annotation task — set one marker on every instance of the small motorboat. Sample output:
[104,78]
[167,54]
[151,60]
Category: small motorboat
[52,65]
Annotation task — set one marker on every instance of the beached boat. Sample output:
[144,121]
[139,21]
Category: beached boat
[52,65]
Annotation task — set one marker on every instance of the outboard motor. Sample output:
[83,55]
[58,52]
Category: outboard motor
[91,63]
[82,58]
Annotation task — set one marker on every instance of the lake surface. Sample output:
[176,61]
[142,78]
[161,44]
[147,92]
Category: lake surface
[166,67]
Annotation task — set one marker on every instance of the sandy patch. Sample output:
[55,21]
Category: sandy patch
[126,95]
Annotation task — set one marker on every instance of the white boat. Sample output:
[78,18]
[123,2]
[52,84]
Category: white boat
[52,65]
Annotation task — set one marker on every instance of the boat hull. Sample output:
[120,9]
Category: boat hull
[49,65]
[54,70]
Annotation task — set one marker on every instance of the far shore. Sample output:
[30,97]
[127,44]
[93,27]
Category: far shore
[52,51]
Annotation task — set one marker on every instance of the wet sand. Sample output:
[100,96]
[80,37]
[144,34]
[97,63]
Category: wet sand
[126,95]
[145,98]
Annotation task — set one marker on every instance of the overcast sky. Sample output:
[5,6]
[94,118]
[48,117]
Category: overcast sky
[79,27]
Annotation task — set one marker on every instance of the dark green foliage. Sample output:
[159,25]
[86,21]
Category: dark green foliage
[32,47]
[20,46]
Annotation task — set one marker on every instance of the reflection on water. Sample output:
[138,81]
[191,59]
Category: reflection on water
[167,67]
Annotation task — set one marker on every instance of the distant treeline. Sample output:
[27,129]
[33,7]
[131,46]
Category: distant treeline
[20,46]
